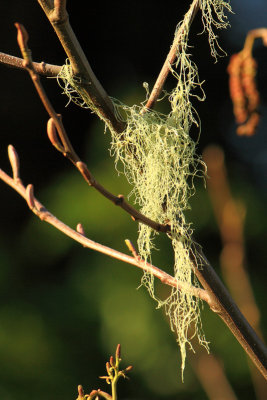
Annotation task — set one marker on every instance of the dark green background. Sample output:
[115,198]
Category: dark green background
[63,308]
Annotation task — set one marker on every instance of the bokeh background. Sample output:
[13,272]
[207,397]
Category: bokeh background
[63,308]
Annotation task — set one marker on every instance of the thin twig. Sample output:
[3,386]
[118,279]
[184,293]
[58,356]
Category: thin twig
[171,56]
[41,68]
[58,17]
[55,126]
[214,292]
[168,279]
[39,209]
[221,303]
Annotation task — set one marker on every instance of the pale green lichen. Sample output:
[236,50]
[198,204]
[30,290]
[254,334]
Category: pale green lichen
[159,159]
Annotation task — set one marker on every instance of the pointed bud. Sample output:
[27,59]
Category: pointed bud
[22,36]
[111,361]
[30,196]
[108,367]
[119,200]
[82,167]
[132,249]
[79,229]
[14,161]
[52,135]
[80,393]
[118,349]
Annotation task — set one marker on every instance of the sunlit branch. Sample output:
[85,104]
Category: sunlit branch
[79,236]
[172,55]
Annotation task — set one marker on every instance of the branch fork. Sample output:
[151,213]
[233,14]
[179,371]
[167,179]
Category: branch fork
[213,292]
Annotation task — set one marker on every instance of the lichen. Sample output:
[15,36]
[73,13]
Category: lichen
[159,159]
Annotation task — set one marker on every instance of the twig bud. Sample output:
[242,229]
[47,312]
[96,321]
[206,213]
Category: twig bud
[52,135]
[82,167]
[14,161]
[111,361]
[30,196]
[79,229]
[22,36]
[80,392]
[132,249]
[108,367]
[118,349]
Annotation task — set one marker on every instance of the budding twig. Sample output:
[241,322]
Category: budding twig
[58,17]
[79,235]
[55,129]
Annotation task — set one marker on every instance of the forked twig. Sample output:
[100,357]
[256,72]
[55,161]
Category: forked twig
[214,292]
[58,17]
[219,299]
[55,127]
[79,236]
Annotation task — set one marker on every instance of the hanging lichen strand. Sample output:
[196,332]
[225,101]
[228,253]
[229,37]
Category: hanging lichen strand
[159,160]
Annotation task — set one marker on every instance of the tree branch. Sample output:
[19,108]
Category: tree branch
[38,209]
[214,292]
[58,17]
[41,68]
[55,126]
[171,57]
[221,302]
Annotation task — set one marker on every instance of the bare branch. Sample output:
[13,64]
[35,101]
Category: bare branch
[55,126]
[170,57]
[214,292]
[58,17]
[221,302]
[79,236]
[41,68]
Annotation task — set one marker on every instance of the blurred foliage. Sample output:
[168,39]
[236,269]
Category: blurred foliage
[64,308]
